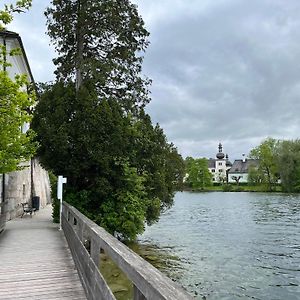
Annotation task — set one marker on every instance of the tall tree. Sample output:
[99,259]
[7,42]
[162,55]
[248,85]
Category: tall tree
[101,42]
[91,123]
[266,154]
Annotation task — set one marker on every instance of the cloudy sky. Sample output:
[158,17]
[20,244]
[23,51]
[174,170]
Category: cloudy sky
[223,71]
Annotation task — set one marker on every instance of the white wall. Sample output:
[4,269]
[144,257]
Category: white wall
[219,170]
[244,178]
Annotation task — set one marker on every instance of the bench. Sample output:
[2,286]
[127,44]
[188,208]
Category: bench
[27,209]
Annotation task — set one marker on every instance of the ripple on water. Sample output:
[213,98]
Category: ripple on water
[233,245]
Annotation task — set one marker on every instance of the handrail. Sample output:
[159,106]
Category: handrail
[148,282]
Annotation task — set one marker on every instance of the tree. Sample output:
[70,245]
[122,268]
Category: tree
[6,14]
[15,100]
[266,154]
[91,123]
[101,42]
[198,173]
[255,176]
[15,146]
[237,179]
[121,170]
[288,160]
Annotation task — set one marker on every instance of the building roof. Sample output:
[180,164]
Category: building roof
[240,166]
[228,163]
[212,162]
[5,34]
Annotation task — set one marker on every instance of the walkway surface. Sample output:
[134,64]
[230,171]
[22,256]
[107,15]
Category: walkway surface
[35,262]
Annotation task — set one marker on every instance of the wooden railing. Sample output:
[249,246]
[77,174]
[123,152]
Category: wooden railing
[148,282]
[2,216]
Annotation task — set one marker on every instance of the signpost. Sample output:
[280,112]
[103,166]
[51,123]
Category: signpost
[60,182]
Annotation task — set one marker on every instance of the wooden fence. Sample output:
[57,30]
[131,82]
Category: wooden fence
[148,282]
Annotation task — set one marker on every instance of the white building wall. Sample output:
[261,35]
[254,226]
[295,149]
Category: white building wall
[244,177]
[219,171]
[18,64]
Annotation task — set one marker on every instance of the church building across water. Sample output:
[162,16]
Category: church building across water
[219,166]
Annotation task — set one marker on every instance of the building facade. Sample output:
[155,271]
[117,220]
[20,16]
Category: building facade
[32,180]
[219,166]
[239,171]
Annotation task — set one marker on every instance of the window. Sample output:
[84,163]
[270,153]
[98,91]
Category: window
[213,170]
[220,164]
[220,170]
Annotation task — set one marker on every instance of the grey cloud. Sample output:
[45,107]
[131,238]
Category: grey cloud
[230,74]
[32,28]
[223,70]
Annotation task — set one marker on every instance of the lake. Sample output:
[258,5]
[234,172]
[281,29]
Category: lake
[232,245]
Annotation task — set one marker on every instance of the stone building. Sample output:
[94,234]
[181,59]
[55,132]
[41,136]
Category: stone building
[33,180]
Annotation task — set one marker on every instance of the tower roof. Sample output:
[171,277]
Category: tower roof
[220,154]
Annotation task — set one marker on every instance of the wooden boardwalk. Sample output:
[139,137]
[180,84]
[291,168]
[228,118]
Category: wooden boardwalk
[35,262]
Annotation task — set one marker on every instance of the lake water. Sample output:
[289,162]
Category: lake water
[232,245]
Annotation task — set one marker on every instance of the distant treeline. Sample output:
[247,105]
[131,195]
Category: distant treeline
[279,164]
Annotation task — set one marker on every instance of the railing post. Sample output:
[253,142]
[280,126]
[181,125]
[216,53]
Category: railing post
[137,294]
[95,251]
[80,230]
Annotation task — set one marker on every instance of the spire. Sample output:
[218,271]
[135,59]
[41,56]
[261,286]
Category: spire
[220,155]
[220,148]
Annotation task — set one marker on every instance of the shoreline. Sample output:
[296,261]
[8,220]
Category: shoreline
[234,189]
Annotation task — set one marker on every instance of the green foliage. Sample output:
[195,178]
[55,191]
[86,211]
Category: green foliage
[6,14]
[121,171]
[55,201]
[91,123]
[288,160]
[227,188]
[255,176]
[101,42]
[16,98]
[124,212]
[268,168]
[198,173]
[159,161]
[278,160]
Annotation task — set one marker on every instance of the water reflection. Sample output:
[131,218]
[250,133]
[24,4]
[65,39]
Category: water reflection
[233,245]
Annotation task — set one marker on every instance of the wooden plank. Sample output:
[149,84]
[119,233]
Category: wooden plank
[35,262]
[148,281]
[93,282]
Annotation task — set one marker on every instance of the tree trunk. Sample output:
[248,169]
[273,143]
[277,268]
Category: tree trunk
[79,41]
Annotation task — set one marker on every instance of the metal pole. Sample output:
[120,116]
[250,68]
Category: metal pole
[60,214]
[60,182]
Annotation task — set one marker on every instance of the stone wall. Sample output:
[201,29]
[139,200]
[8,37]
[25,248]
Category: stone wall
[20,186]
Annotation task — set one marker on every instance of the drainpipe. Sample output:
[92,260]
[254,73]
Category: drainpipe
[3,175]
[31,180]
[3,188]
